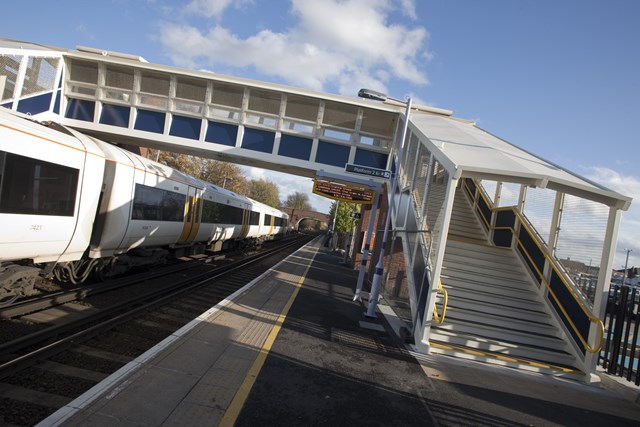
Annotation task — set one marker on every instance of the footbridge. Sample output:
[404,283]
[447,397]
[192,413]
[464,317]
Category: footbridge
[498,255]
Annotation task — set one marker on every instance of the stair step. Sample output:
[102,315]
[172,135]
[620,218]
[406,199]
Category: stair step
[526,310]
[491,287]
[489,344]
[507,319]
[497,358]
[498,262]
[466,270]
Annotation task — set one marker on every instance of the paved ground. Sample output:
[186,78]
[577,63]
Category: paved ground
[295,350]
[327,369]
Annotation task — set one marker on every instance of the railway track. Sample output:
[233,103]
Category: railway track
[68,347]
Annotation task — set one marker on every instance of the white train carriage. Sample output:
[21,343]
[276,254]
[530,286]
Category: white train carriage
[226,215]
[144,204]
[272,221]
[73,205]
[49,187]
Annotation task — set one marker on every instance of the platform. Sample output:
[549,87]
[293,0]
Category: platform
[293,349]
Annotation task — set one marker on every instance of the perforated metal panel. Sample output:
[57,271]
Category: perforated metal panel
[378,122]
[154,83]
[302,108]
[228,95]
[121,78]
[340,115]
[9,68]
[191,89]
[264,101]
[40,75]
[83,72]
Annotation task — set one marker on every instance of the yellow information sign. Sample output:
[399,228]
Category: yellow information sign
[343,193]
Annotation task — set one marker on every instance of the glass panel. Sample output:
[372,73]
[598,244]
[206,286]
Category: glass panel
[82,90]
[117,95]
[224,114]
[336,134]
[261,120]
[299,127]
[154,101]
[189,107]
[35,187]
[156,204]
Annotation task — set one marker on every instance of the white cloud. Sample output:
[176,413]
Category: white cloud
[629,232]
[289,184]
[342,44]
[211,8]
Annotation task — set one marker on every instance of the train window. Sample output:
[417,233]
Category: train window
[210,212]
[217,213]
[230,215]
[254,219]
[156,204]
[267,219]
[34,187]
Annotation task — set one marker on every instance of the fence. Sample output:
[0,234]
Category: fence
[621,350]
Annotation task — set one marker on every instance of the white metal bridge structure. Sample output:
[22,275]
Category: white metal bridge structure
[517,250]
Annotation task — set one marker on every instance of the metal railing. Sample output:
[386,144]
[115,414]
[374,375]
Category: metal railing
[439,318]
[551,262]
[621,354]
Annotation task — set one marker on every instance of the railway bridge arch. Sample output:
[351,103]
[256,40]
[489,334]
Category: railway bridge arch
[296,216]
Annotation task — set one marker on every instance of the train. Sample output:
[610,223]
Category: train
[73,207]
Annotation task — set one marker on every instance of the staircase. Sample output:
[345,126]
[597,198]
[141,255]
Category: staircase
[494,312]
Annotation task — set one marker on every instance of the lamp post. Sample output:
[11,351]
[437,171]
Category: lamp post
[224,181]
[624,275]
[377,278]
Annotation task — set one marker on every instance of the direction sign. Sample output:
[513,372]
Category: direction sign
[343,193]
[366,170]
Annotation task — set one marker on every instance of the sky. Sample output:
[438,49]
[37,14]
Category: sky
[558,78]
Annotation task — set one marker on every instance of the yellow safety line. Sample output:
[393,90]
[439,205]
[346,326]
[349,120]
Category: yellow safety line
[232,412]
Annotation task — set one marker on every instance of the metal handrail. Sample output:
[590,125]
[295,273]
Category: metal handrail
[553,263]
[438,319]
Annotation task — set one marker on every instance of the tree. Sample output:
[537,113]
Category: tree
[298,200]
[190,165]
[343,221]
[264,191]
[226,175]
[219,173]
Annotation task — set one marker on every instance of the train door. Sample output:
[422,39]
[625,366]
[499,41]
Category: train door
[192,213]
[244,231]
